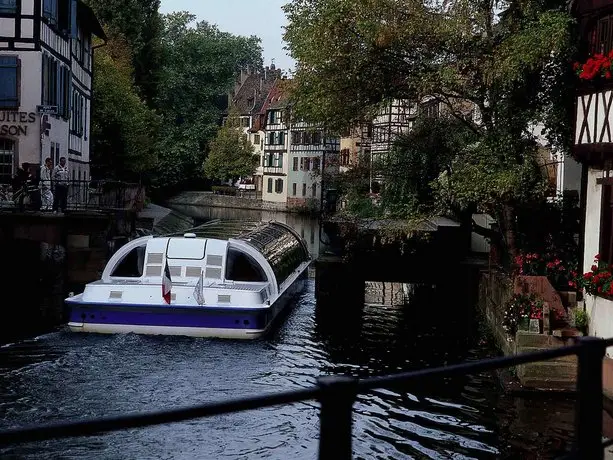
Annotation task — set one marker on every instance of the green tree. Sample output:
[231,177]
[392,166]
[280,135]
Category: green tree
[199,65]
[418,158]
[507,58]
[230,153]
[140,23]
[123,127]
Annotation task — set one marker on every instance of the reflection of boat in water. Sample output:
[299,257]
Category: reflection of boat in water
[228,288]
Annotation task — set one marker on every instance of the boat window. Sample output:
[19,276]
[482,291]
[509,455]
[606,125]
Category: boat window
[243,267]
[132,264]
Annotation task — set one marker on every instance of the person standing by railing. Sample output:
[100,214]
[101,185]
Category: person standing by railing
[45,185]
[61,179]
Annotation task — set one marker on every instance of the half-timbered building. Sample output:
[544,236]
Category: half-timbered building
[45,83]
[248,97]
[276,145]
[593,146]
[295,153]
[312,152]
[395,118]
[355,146]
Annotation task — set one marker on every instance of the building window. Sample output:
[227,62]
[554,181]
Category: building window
[275,117]
[9,82]
[345,157]
[316,164]
[295,166]
[430,110]
[77,122]
[294,187]
[279,186]
[303,189]
[56,85]
[8,6]
[7,159]
[601,37]
[314,190]
[50,11]
[256,139]
[270,185]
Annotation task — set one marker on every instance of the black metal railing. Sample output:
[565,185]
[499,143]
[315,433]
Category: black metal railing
[79,195]
[338,394]
[104,194]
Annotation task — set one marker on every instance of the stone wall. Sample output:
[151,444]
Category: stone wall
[210,199]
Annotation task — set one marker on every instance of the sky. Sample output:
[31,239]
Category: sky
[263,18]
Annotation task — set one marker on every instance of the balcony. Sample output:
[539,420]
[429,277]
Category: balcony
[273,170]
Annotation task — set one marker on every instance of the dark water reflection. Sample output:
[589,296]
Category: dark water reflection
[63,376]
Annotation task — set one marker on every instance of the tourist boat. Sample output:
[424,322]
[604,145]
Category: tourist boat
[195,286]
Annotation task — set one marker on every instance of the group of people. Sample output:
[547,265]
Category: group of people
[46,190]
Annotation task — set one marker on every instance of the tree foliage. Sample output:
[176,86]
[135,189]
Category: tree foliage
[418,158]
[199,65]
[509,58]
[231,154]
[141,24]
[123,127]
[159,86]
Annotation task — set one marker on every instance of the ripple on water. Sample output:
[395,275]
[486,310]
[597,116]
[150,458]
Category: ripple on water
[64,376]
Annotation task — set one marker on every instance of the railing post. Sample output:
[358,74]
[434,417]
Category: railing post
[588,418]
[338,395]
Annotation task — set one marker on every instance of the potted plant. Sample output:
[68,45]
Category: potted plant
[520,311]
[581,321]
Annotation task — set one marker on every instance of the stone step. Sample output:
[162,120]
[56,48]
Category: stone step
[548,370]
[567,332]
[572,359]
[532,383]
[527,339]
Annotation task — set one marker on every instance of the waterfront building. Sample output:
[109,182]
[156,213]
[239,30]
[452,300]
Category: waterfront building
[46,53]
[248,97]
[295,154]
[593,146]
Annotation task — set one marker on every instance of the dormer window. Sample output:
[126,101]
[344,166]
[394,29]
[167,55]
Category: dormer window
[601,36]
[8,6]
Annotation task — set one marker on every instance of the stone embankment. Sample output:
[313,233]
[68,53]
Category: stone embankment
[210,199]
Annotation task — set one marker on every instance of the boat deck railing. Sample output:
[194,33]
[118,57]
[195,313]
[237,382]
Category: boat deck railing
[337,394]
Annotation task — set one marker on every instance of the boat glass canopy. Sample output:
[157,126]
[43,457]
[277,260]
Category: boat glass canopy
[282,247]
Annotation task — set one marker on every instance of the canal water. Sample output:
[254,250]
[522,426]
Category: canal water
[62,376]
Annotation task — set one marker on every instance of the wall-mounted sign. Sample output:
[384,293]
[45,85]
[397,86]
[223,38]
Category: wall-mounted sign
[16,123]
[49,109]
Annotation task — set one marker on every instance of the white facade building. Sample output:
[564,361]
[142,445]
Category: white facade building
[276,143]
[293,154]
[45,83]
[311,150]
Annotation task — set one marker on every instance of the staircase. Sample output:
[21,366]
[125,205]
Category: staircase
[559,374]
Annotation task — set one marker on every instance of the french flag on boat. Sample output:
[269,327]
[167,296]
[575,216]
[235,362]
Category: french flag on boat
[166,284]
